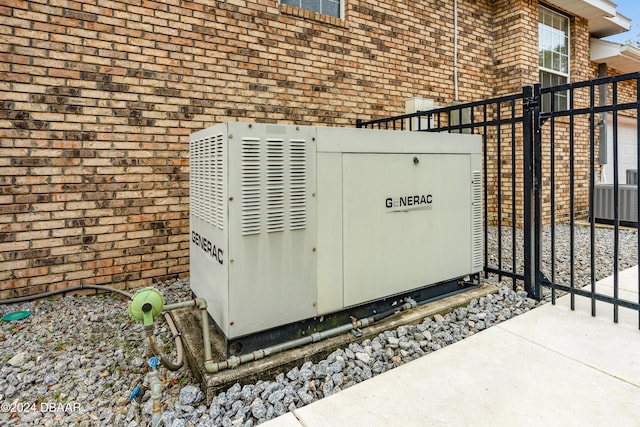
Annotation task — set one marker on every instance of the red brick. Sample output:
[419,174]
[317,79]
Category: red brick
[117,269]
[80,274]
[64,268]
[33,235]
[13,246]
[31,272]
[15,284]
[99,280]
[7,267]
[46,243]
[45,280]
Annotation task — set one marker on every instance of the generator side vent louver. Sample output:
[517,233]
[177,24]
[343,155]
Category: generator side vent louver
[275,185]
[298,183]
[476,218]
[206,179]
[219,198]
[195,179]
[251,186]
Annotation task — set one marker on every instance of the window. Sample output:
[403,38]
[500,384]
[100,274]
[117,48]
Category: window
[326,7]
[553,52]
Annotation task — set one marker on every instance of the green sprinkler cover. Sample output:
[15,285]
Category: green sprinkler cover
[143,296]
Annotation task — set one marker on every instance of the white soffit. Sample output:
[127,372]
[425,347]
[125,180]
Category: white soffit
[624,58]
[603,19]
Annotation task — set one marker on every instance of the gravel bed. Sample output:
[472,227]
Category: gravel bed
[556,263]
[75,360]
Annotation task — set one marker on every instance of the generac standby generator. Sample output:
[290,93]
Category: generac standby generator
[295,222]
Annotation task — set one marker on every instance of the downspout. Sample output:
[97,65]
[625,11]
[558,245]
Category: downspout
[602,124]
[455,50]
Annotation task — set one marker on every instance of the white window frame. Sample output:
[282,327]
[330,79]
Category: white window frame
[567,75]
[298,3]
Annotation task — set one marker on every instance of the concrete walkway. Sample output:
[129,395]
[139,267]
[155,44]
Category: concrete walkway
[548,367]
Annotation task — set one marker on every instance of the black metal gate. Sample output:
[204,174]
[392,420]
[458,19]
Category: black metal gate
[543,153]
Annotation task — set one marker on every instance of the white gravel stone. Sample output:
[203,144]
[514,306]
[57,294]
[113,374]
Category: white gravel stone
[17,360]
[363,357]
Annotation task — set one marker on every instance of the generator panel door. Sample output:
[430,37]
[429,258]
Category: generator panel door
[272,227]
[407,222]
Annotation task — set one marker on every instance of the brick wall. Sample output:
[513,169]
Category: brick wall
[580,67]
[515,65]
[515,35]
[515,26]
[98,98]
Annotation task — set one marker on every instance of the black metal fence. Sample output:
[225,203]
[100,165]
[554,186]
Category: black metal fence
[544,153]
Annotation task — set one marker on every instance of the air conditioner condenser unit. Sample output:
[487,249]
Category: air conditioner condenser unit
[290,223]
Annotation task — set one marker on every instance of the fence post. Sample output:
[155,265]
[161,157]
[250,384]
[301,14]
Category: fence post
[532,204]
[537,190]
